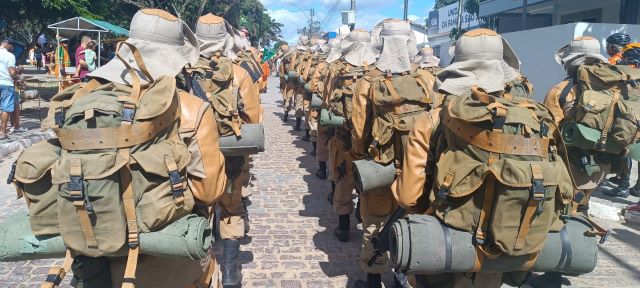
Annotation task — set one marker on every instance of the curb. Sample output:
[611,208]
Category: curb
[24,143]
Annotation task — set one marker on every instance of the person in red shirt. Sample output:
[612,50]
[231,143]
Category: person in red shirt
[82,69]
[615,44]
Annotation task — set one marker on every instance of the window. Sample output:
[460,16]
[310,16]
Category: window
[590,16]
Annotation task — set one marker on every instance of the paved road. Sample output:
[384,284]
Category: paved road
[291,241]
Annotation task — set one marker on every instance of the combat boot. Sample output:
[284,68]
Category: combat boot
[322,171]
[307,136]
[546,280]
[285,117]
[298,123]
[231,276]
[313,152]
[333,190]
[373,281]
[344,225]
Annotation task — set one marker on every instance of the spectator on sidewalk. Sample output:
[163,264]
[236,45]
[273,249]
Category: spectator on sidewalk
[15,116]
[7,75]
[615,43]
[82,68]
[88,55]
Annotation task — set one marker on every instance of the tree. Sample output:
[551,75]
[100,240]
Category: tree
[442,3]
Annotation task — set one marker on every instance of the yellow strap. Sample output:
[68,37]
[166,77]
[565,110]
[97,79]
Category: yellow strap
[57,274]
[487,202]
[128,203]
[529,213]
[75,170]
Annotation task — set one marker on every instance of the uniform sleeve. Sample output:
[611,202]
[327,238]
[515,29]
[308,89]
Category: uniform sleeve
[316,78]
[362,119]
[206,167]
[409,187]
[552,101]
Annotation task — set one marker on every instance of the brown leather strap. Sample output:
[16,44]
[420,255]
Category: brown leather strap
[427,92]
[83,91]
[612,112]
[57,274]
[115,137]
[487,203]
[128,203]
[136,84]
[392,90]
[79,202]
[528,265]
[530,211]
[496,142]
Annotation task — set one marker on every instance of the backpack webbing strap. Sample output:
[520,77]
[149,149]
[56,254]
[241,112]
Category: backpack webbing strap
[427,99]
[177,187]
[607,124]
[128,202]
[496,142]
[115,137]
[57,274]
[81,201]
[528,265]
[562,99]
[483,219]
[533,206]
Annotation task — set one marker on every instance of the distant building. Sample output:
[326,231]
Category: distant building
[443,20]
[421,32]
[506,15]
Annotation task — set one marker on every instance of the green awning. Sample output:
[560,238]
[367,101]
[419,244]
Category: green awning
[114,29]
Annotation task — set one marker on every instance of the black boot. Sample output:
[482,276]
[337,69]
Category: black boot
[307,136]
[298,123]
[322,171]
[344,225]
[285,117]
[333,190]
[373,281]
[313,152]
[231,276]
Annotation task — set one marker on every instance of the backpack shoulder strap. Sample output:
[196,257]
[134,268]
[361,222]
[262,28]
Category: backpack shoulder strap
[565,92]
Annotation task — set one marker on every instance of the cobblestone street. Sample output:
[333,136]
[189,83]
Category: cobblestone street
[291,242]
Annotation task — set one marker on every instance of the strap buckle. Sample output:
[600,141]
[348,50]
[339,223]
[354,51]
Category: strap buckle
[443,193]
[12,172]
[544,128]
[55,276]
[128,112]
[58,117]
[76,186]
[176,184]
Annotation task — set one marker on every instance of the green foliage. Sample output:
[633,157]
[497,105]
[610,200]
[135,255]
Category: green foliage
[454,34]
[442,3]
[472,7]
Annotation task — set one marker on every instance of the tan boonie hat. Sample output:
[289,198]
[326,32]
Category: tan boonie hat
[213,37]
[335,51]
[396,46]
[425,58]
[357,50]
[484,44]
[165,43]
[581,46]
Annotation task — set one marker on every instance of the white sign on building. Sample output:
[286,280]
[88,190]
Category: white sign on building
[446,18]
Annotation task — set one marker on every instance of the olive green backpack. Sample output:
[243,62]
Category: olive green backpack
[211,80]
[117,169]
[606,109]
[499,174]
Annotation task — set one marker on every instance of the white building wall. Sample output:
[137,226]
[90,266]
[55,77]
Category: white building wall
[610,9]
[536,49]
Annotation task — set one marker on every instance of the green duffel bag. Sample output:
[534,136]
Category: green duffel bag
[188,237]
[328,119]
[422,245]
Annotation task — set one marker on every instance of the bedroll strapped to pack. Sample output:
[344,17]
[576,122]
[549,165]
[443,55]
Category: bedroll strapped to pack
[117,170]
[608,100]
[500,170]
[398,100]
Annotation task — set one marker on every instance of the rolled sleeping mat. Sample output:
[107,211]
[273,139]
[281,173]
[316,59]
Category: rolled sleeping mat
[316,102]
[634,151]
[292,75]
[188,237]
[307,87]
[328,119]
[419,245]
[301,80]
[250,142]
[369,175]
[580,136]
[286,77]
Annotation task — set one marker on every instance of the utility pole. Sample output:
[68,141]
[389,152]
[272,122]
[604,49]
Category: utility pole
[524,14]
[406,10]
[312,13]
[460,10]
[353,8]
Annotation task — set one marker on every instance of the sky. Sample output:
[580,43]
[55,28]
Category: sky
[368,13]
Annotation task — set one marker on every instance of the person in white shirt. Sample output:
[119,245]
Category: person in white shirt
[7,75]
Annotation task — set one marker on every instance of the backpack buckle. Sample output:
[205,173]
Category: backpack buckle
[578,197]
[177,188]
[128,112]
[76,186]
[58,117]
[12,172]
[443,193]
[544,128]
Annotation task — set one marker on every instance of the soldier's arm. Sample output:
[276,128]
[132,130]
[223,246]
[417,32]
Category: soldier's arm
[409,187]
[316,78]
[362,119]
[552,101]
[199,131]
